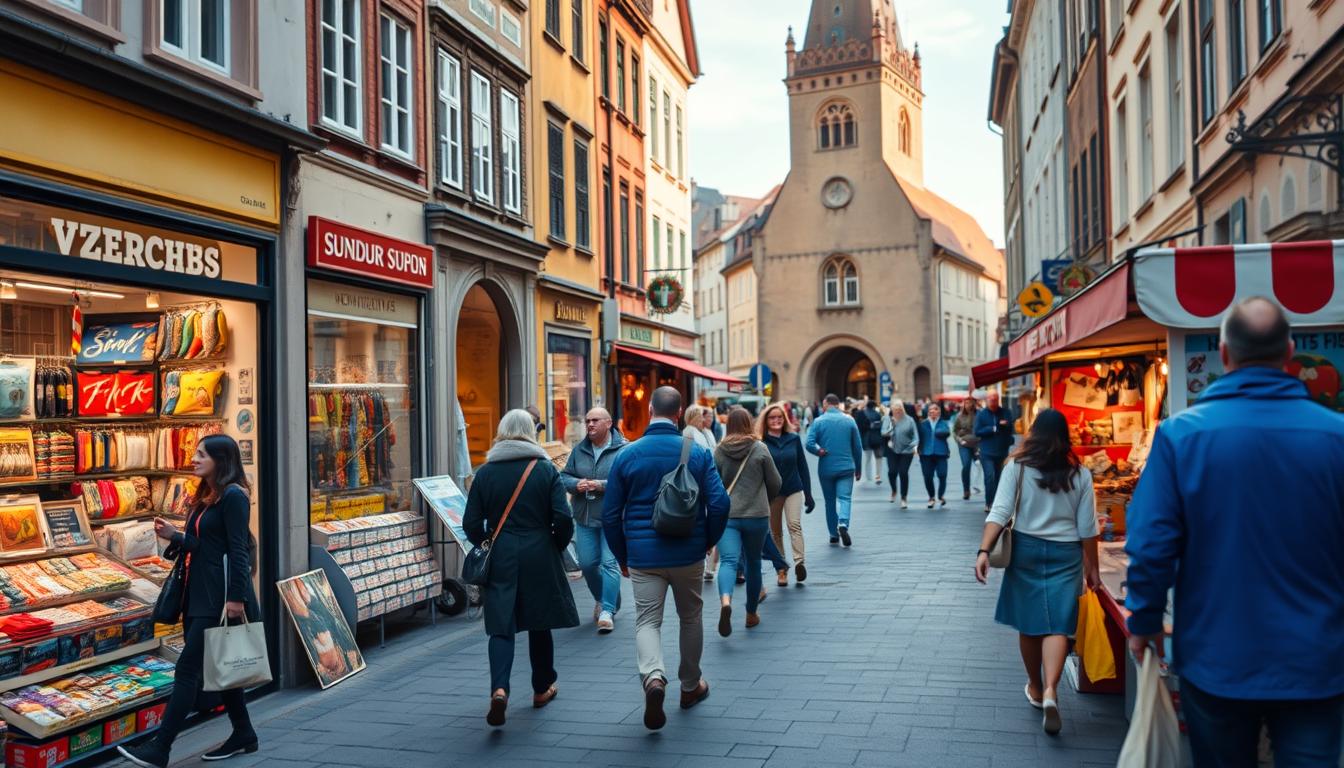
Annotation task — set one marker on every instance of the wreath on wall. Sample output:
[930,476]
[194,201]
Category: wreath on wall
[665,294]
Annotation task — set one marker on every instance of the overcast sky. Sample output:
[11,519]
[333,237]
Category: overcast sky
[739,109]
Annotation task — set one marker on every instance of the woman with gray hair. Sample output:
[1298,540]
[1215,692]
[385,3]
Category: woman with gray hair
[518,502]
[902,440]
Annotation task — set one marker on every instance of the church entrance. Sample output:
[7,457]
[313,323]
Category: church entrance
[847,372]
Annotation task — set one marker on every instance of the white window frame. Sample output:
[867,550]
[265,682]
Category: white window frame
[1147,175]
[507,20]
[392,33]
[482,123]
[849,274]
[450,121]
[1175,55]
[510,151]
[1122,159]
[656,252]
[190,34]
[74,5]
[343,78]
[667,131]
[483,10]
[830,285]
[681,146]
[653,119]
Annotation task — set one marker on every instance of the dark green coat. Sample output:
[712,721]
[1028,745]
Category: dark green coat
[528,589]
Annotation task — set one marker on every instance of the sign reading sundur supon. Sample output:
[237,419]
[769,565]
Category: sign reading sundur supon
[342,248]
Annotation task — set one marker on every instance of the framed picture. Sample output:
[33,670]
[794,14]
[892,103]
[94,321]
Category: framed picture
[1127,427]
[326,636]
[16,455]
[21,525]
[67,523]
[1082,391]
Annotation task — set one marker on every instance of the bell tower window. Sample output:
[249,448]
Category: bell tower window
[836,126]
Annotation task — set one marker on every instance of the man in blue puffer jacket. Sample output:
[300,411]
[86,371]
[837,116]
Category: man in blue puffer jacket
[653,562]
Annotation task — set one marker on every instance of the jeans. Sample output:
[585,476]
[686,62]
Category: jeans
[837,491]
[1226,732]
[187,686]
[934,466]
[650,587]
[743,540]
[967,460]
[898,471]
[993,465]
[540,651]
[599,566]
[787,511]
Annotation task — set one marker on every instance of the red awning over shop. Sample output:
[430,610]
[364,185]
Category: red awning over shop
[1193,287]
[988,374]
[1099,306]
[672,361]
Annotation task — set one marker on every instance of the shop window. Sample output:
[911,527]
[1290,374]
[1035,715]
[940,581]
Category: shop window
[397,99]
[567,385]
[342,97]
[449,119]
[481,385]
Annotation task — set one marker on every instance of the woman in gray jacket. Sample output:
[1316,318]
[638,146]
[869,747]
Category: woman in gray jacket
[902,440]
[752,480]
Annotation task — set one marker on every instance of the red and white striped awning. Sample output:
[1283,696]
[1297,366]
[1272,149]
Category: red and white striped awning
[1193,287]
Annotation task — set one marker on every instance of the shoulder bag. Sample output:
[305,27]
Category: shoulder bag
[1001,554]
[476,565]
[235,656]
[168,606]
[738,476]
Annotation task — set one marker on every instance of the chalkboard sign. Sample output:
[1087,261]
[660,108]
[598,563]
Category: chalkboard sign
[68,524]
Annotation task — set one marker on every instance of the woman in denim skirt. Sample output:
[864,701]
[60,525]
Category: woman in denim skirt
[1054,552]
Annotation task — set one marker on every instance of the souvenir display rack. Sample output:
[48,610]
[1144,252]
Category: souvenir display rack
[387,559]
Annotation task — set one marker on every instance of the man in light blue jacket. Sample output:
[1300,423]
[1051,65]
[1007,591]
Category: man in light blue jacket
[834,439]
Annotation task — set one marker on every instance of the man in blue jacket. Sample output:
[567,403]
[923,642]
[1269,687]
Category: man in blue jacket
[1241,509]
[994,427]
[834,438]
[655,563]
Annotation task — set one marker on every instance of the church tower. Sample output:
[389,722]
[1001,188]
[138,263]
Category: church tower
[854,90]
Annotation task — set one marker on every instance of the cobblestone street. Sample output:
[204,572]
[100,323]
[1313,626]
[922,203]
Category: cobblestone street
[888,656]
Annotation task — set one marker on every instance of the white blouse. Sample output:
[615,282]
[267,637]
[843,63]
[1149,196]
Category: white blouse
[1067,516]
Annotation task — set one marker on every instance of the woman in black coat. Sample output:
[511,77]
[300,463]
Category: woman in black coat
[218,547]
[527,590]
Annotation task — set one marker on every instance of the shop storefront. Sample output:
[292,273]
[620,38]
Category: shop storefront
[643,365]
[366,308]
[137,316]
[569,333]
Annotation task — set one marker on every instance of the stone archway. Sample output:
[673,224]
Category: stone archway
[923,383]
[488,363]
[847,372]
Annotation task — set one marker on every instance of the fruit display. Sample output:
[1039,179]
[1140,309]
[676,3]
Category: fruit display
[1321,377]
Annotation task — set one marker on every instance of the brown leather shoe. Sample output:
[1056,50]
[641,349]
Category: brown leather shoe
[498,704]
[753,619]
[540,700]
[782,578]
[654,693]
[691,698]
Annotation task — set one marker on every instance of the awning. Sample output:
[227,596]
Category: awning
[1193,287]
[1099,306]
[672,361]
[995,371]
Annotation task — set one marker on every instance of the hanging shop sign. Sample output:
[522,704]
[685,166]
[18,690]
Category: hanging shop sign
[342,248]
[570,313]
[684,345]
[665,294]
[117,393]
[1073,278]
[1035,300]
[641,335]
[118,342]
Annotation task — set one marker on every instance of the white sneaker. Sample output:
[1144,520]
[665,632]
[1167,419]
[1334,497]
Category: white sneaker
[605,623]
[597,611]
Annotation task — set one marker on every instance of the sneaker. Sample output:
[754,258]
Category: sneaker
[844,536]
[725,620]
[1050,720]
[931,503]
[800,573]
[835,539]
[605,623]
[709,575]
[942,502]
[146,754]
[904,504]
[232,747]
[597,611]
[654,693]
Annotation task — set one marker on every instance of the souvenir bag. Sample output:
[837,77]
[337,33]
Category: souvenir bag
[16,390]
[235,656]
[198,391]
[1001,554]
[476,565]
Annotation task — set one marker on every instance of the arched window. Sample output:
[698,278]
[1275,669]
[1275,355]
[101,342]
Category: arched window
[903,131]
[836,126]
[1288,201]
[839,283]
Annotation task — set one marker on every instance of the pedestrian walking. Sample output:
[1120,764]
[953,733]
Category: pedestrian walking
[697,419]
[1048,496]
[219,561]
[934,452]
[656,563]
[795,490]
[963,431]
[745,463]
[902,440]
[1239,508]
[519,499]
[834,439]
[994,427]
[872,440]
[585,478]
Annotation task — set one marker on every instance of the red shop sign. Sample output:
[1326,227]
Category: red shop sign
[121,393]
[342,248]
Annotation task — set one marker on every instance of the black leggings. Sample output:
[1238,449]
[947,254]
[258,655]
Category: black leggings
[898,470]
[540,651]
[934,465]
[187,683]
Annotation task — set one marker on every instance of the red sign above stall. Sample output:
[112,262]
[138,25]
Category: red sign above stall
[341,248]
[1101,305]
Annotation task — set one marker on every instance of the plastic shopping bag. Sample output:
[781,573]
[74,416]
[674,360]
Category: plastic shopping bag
[1093,645]
[1154,738]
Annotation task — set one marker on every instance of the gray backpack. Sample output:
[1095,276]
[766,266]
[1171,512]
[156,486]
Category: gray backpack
[677,506]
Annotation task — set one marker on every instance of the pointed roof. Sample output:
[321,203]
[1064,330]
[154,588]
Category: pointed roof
[833,22]
[955,230]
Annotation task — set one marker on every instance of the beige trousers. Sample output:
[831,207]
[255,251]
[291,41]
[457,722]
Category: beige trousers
[650,587]
[788,509]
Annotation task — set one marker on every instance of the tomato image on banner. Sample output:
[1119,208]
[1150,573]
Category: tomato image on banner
[1317,363]
[1320,375]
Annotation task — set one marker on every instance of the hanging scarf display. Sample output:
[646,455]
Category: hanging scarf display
[350,438]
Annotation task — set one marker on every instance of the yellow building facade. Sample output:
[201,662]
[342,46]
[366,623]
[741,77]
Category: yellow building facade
[565,201]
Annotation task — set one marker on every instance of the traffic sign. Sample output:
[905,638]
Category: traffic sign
[759,376]
[884,387]
[1035,300]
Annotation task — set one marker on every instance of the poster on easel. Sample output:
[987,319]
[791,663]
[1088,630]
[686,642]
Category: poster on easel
[448,502]
[322,628]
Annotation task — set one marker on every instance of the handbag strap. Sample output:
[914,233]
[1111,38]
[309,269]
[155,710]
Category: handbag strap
[513,499]
[1017,493]
[740,467]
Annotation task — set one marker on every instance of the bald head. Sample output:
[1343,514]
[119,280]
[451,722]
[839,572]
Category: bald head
[597,425]
[1255,332]
[666,403]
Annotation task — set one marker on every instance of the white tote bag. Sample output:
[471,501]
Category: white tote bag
[235,656]
[1154,738]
